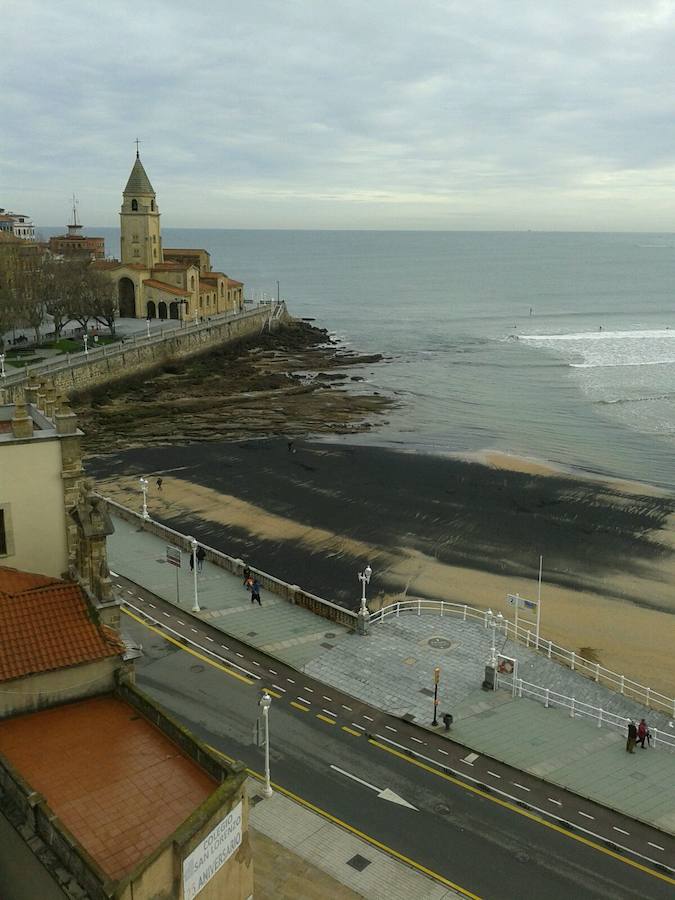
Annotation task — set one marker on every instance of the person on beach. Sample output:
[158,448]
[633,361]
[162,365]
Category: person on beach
[247,575]
[255,591]
[632,736]
[201,556]
[643,734]
[159,484]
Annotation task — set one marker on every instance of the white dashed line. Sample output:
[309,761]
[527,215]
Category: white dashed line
[167,615]
[195,630]
[360,727]
[329,713]
[253,661]
[130,592]
[114,575]
[417,740]
[152,605]
[179,622]
[290,680]
[521,786]
[283,690]
[369,719]
[585,815]
[390,728]
[655,846]
[225,647]
[140,598]
[494,774]
[348,708]
[311,691]
[304,700]
[273,672]
[240,655]
[209,639]
[444,752]
[551,800]
[620,830]
[329,699]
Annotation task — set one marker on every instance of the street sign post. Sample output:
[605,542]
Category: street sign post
[518,602]
[173,557]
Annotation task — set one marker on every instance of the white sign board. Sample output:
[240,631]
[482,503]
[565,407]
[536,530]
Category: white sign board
[212,853]
[520,602]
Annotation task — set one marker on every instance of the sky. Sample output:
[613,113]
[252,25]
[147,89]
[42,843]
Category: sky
[424,114]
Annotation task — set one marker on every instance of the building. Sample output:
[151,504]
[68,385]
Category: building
[106,794]
[74,245]
[155,282]
[18,224]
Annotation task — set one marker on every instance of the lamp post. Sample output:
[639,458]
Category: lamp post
[2,365]
[147,326]
[363,618]
[493,652]
[265,702]
[278,292]
[437,678]
[194,545]
[144,487]
[86,341]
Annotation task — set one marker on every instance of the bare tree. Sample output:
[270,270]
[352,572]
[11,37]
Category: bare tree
[105,298]
[9,270]
[56,277]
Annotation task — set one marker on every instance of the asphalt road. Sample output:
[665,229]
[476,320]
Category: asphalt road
[478,842]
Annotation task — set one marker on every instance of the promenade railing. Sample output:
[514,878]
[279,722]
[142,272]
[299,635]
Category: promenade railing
[616,681]
[73,360]
[291,592]
[579,709]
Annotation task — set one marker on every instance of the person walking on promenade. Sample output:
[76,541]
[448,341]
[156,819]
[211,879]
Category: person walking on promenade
[201,556]
[192,560]
[632,737]
[643,733]
[159,485]
[255,591]
[247,575]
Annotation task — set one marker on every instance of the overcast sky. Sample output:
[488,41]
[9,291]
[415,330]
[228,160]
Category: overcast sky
[488,114]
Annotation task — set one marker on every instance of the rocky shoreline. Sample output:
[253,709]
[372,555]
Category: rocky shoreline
[291,383]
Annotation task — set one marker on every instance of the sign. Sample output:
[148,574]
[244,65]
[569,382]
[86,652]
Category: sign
[520,602]
[173,556]
[212,853]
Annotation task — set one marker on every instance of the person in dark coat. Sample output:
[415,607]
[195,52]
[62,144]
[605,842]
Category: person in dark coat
[255,591]
[201,556]
[642,733]
[247,575]
[632,736]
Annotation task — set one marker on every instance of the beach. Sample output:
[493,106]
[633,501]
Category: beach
[430,526]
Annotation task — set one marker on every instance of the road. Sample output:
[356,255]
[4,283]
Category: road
[340,755]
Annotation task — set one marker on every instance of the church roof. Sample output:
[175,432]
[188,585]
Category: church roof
[138,182]
[163,286]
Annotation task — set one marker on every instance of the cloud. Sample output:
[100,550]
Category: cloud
[315,114]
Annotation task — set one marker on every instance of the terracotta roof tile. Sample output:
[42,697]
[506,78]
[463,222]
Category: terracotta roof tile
[163,286]
[46,624]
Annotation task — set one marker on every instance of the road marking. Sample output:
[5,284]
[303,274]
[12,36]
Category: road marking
[240,655]
[521,786]
[494,774]
[114,575]
[311,690]
[274,693]
[225,647]
[382,793]
[167,615]
[179,622]
[417,740]
[273,672]
[298,706]
[328,699]
[351,731]
[551,800]
[534,817]
[470,759]
[195,630]
[329,713]
[305,700]
[130,592]
[444,752]
[655,846]
[211,662]
[389,727]
[140,598]
[208,638]
[253,661]
[152,605]
[585,815]
[348,708]
[288,679]
[620,830]
[279,688]
[356,725]
[325,719]
[369,719]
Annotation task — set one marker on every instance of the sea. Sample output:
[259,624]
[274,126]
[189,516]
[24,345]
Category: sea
[558,347]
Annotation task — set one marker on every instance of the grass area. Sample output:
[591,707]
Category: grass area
[18,362]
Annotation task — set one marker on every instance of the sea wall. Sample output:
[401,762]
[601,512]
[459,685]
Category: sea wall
[79,373]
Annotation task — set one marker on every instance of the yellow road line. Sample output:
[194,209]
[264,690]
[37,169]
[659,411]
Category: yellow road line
[203,658]
[299,706]
[325,719]
[273,693]
[523,812]
[351,731]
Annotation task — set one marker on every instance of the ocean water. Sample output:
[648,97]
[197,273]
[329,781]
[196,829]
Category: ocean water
[558,346]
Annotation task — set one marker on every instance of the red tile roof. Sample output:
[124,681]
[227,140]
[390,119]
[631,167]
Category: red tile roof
[163,286]
[47,624]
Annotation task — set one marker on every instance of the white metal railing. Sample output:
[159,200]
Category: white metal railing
[614,680]
[72,360]
[578,709]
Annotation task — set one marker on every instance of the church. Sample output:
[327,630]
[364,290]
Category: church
[156,282]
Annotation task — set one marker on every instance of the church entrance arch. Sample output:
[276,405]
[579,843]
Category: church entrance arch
[161,309]
[127,298]
[173,310]
[152,310]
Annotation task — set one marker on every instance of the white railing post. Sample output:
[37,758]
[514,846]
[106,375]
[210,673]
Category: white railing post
[419,607]
[600,718]
[654,735]
[547,697]
[572,708]
[550,647]
[622,682]
[574,657]
[398,608]
[597,672]
[442,605]
[464,620]
[649,692]
[520,687]
[527,641]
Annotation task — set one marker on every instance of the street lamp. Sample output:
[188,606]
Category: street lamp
[364,578]
[86,340]
[147,324]
[144,487]
[2,365]
[265,702]
[194,545]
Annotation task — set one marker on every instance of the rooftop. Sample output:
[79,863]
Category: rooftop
[114,780]
[163,286]
[46,624]
[138,182]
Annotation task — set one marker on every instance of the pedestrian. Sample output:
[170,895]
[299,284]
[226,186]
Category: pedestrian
[291,448]
[247,575]
[192,560]
[643,733]
[201,556]
[632,737]
[255,591]
[159,484]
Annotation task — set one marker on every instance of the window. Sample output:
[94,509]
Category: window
[192,282]
[134,205]
[3,534]
[152,205]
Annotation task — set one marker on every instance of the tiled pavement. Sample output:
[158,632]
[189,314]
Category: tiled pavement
[392,668]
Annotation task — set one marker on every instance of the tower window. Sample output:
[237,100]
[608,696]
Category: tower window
[152,205]
[134,205]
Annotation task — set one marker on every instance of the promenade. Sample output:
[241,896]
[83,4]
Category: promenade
[392,669]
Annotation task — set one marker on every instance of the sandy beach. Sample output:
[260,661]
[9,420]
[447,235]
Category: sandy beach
[464,531]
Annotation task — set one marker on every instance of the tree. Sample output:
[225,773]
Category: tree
[79,298]
[55,293]
[104,294]
[9,269]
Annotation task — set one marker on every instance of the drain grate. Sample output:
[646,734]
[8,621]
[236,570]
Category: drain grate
[358,862]
[328,646]
[329,634]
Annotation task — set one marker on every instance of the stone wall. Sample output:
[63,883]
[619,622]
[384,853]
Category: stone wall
[79,373]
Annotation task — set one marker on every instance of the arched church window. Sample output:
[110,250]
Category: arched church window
[152,205]
[192,282]
[134,205]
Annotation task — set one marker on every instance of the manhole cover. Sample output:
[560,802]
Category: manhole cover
[409,661]
[440,643]
[327,646]
[442,808]
[197,668]
[358,862]
[251,633]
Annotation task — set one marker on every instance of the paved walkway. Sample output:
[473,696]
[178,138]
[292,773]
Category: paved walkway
[392,668]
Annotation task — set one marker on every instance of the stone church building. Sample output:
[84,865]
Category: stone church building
[156,282]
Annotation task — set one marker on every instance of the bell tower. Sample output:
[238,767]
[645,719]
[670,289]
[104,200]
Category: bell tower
[140,235]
